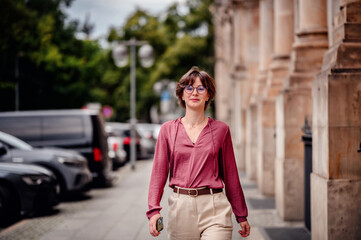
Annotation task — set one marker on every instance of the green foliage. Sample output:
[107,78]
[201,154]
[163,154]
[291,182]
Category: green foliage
[57,70]
[179,44]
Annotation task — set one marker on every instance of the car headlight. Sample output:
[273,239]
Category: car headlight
[71,162]
[35,179]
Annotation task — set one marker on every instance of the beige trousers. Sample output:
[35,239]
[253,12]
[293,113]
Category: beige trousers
[205,217]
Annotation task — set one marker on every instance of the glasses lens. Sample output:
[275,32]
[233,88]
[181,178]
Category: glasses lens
[189,89]
[201,89]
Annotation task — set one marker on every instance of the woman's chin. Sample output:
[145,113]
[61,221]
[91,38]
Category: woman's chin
[196,106]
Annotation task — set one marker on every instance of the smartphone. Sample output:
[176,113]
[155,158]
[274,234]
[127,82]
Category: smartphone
[160,224]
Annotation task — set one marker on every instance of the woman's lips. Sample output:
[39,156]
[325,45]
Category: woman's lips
[194,100]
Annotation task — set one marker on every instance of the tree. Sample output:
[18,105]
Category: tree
[180,42]
[58,71]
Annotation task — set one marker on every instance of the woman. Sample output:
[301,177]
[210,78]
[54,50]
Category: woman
[197,153]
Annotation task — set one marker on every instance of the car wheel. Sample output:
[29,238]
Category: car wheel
[60,180]
[9,211]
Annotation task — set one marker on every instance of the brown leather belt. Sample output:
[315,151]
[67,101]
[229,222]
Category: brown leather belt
[196,192]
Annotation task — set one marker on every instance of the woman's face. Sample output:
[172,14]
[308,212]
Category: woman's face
[195,95]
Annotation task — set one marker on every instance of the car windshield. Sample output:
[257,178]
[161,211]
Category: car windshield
[14,142]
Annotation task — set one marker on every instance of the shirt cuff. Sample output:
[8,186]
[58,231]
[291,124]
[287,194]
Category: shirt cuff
[241,219]
[152,213]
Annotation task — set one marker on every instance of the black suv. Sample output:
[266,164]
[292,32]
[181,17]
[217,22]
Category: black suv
[24,190]
[79,130]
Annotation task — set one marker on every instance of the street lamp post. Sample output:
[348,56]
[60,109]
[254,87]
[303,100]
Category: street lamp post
[120,57]
[17,59]
[17,83]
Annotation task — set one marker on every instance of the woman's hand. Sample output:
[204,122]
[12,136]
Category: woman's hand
[153,225]
[245,229]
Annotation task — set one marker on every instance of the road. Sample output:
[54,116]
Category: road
[118,213]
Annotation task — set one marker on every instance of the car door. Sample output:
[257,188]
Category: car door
[8,154]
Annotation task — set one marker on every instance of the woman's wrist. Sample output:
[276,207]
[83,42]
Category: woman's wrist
[151,214]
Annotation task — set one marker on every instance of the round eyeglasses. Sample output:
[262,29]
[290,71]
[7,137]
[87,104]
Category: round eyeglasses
[200,89]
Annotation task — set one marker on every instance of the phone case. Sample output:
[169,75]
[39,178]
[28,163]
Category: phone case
[160,224]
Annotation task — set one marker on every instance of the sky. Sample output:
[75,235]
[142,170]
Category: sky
[107,13]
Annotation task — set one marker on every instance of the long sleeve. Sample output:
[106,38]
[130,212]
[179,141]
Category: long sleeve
[231,181]
[159,174]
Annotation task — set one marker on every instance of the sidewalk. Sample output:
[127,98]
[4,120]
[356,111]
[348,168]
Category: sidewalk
[119,213]
[264,220]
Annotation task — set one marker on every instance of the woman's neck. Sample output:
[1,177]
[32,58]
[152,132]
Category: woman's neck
[194,118]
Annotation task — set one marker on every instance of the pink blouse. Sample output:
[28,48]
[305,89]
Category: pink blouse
[209,162]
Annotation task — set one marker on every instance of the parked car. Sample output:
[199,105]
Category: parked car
[116,150]
[156,131]
[122,131]
[149,134]
[24,190]
[70,167]
[79,130]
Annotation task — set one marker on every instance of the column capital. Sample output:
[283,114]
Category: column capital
[223,12]
[246,4]
[239,72]
[347,2]
[227,16]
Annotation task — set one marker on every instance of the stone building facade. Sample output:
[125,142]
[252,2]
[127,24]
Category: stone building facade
[281,64]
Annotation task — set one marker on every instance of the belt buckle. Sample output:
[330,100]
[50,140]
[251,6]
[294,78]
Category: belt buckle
[195,195]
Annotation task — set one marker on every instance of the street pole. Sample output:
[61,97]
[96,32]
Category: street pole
[120,57]
[132,103]
[17,83]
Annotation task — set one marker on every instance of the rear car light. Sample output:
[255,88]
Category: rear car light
[126,141]
[97,155]
[115,146]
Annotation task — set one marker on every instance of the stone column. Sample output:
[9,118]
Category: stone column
[229,52]
[283,39]
[294,104]
[251,20]
[223,30]
[265,169]
[238,75]
[336,124]
[219,61]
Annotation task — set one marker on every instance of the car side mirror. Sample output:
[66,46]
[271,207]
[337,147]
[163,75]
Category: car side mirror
[2,149]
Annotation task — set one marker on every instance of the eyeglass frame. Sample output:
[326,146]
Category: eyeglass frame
[185,87]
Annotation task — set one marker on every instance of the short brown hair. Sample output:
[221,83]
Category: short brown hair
[189,78]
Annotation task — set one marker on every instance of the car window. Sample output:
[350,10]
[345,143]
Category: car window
[14,142]
[26,128]
[62,127]
[127,133]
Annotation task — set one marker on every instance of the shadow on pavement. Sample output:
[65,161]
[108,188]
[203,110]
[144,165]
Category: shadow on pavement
[45,213]
[75,197]
[288,233]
